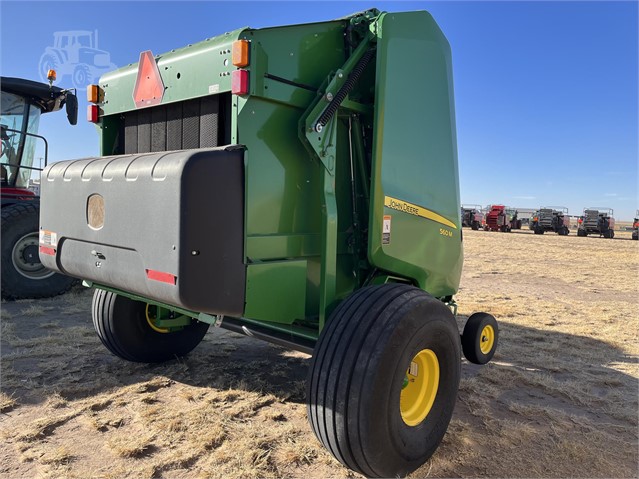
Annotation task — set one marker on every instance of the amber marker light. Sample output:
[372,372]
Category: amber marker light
[94,94]
[240,55]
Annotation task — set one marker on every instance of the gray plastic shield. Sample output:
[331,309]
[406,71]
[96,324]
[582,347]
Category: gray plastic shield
[167,226]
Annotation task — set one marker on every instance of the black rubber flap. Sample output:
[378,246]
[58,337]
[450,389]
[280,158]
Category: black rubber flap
[166,226]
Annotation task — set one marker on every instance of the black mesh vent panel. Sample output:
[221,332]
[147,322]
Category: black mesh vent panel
[209,112]
[190,125]
[158,129]
[200,123]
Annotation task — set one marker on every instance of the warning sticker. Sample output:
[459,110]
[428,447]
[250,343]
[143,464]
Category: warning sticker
[414,369]
[386,230]
[49,238]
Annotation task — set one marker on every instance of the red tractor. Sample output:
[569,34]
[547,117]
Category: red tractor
[635,226]
[23,101]
[501,218]
[472,216]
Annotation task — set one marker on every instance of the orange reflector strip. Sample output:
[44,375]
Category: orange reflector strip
[93,94]
[240,82]
[93,113]
[240,56]
[47,250]
[160,276]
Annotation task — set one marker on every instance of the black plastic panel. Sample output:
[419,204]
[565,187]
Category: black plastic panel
[179,213]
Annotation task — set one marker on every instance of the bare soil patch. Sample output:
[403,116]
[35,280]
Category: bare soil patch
[558,400]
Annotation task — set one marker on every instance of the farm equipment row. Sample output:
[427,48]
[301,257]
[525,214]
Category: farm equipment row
[594,221]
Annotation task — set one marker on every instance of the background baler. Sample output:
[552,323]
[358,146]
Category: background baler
[297,184]
[551,218]
[597,221]
[472,216]
[501,218]
[635,226]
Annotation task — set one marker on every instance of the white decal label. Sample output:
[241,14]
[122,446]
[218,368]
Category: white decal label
[49,238]
[386,230]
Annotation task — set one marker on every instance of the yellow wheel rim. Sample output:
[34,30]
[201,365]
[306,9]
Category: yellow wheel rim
[150,320]
[420,387]
[487,339]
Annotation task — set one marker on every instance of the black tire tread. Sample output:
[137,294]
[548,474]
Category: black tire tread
[147,349]
[474,325]
[356,326]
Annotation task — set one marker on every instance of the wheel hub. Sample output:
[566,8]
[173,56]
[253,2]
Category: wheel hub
[420,387]
[26,260]
[487,339]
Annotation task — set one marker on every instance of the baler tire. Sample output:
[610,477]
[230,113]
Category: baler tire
[477,349]
[539,231]
[22,279]
[475,226]
[581,232]
[355,383]
[612,234]
[123,328]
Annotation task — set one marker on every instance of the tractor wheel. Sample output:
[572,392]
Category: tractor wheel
[612,234]
[126,328]
[581,232]
[383,379]
[23,275]
[635,235]
[539,231]
[48,61]
[82,76]
[566,231]
[475,225]
[479,340]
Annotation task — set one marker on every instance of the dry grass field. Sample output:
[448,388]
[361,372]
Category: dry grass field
[558,400]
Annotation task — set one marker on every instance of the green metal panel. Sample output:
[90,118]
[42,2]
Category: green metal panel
[203,68]
[307,209]
[276,291]
[415,156]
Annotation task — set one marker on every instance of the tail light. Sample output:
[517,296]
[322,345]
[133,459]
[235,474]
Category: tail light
[93,113]
[240,82]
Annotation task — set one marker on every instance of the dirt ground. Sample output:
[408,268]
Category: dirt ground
[558,400]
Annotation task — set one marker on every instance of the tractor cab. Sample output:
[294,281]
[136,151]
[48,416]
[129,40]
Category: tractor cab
[23,101]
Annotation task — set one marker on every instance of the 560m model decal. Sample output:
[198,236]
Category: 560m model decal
[415,210]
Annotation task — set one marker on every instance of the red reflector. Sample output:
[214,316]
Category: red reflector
[47,250]
[93,113]
[240,82]
[149,87]
[160,276]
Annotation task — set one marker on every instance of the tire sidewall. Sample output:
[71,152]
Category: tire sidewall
[423,325]
[129,327]
[471,337]
[14,284]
